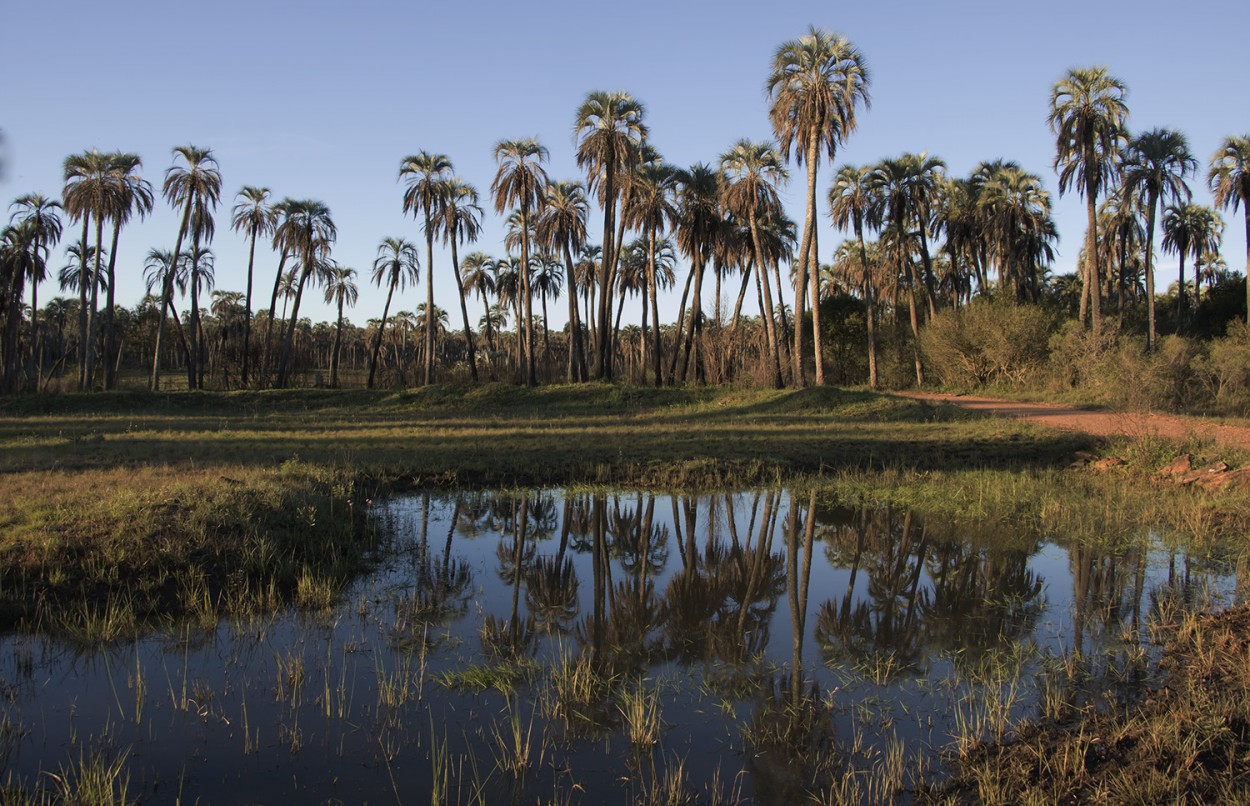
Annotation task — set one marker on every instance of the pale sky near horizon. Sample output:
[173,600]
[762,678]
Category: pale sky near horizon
[323,100]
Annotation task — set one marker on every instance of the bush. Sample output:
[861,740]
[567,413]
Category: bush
[1229,369]
[988,342]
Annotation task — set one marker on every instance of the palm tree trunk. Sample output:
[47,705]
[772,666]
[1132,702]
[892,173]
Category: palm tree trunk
[696,314]
[167,293]
[273,310]
[655,310]
[247,310]
[770,326]
[193,356]
[868,300]
[289,342]
[530,378]
[783,338]
[36,357]
[464,312]
[577,359]
[602,369]
[818,347]
[1181,299]
[1091,257]
[1247,263]
[334,351]
[429,299]
[805,251]
[681,321]
[82,304]
[110,309]
[915,323]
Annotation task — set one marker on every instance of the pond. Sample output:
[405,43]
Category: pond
[554,646]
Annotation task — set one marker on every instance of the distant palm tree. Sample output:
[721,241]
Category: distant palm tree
[754,174]
[283,210]
[88,195]
[549,282]
[196,187]
[130,194]
[255,217]
[650,210]
[308,231]
[460,221]
[19,261]
[561,228]
[815,86]
[340,289]
[1190,230]
[853,204]
[426,176]
[1017,228]
[609,132]
[521,181]
[199,269]
[1155,168]
[699,225]
[1229,179]
[40,214]
[479,278]
[1087,113]
[397,264]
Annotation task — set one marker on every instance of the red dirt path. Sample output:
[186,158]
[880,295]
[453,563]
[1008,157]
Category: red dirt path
[1097,423]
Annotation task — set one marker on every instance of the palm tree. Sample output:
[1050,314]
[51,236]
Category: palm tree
[815,86]
[754,173]
[610,133]
[650,209]
[1229,179]
[1017,229]
[19,261]
[340,289]
[561,228]
[1193,230]
[520,180]
[549,282]
[426,176]
[308,231]
[854,204]
[40,214]
[197,188]
[283,210]
[479,278]
[397,264]
[459,221]
[1087,116]
[699,224]
[198,268]
[130,194]
[88,194]
[1155,168]
[255,217]
[161,271]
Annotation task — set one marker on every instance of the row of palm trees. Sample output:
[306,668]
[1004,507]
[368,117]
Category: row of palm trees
[938,236]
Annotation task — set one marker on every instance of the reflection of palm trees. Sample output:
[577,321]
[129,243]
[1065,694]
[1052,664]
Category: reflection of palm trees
[440,590]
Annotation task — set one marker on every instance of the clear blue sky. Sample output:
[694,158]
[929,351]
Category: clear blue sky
[322,100]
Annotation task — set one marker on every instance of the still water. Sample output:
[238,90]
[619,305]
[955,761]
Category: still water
[551,646]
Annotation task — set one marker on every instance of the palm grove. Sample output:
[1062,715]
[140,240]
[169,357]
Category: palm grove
[923,250]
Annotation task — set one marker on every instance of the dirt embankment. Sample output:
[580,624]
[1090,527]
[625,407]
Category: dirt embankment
[1097,423]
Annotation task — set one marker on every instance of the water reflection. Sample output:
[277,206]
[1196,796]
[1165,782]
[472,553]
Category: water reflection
[599,593]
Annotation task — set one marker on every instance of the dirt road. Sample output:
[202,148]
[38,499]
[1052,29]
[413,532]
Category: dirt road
[1098,423]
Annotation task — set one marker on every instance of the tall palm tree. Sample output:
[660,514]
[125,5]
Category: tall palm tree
[255,217]
[196,187]
[699,223]
[460,221]
[88,195]
[397,265]
[1087,114]
[131,194]
[753,175]
[561,228]
[426,176]
[650,209]
[1155,168]
[161,271]
[1017,228]
[341,290]
[20,260]
[1190,230]
[816,84]
[309,231]
[199,269]
[853,204]
[283,210]
[610,133]
[40,214]
[1229,179]
[520,181]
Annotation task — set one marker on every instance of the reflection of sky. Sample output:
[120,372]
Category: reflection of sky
[232,674]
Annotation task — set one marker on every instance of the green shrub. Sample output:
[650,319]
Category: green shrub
[1229,368]
[988,342]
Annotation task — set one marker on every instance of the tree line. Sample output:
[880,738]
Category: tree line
[939,240]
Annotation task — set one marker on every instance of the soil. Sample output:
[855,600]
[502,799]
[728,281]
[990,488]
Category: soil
[1098,423]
